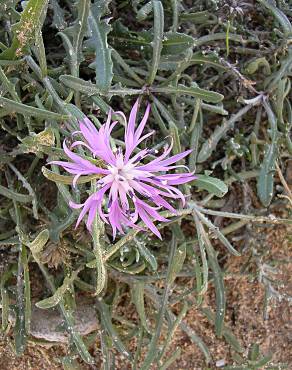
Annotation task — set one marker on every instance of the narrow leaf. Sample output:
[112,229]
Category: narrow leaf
[27,110]
[279,15]
[157,38]
[218,277]
[177,263]
[137,293]
[39,242]
[25,30]
[197,92]
[98,41]
[212,185]
[226,332]
[89,88]
[10,194]
[265,183]
[148,256]
[59,293]
[107,323]
[20,329]
[176,43]
[63,179]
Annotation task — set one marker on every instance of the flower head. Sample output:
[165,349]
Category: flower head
[135,188]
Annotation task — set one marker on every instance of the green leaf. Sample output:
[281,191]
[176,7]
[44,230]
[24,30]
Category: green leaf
[137,293]
[10,194]
[5,5]
[122,36]
[217,276]
[176,43]
[68,180]
[25,30]
[97,231]
[197,92]
[8,85]
[209,60]
[69,363]
[171,43]
[254,65]
[174,134]
[41,53]
[35,143]
[177,263]
[59,293]
[37,245]
[89,88]
[157,38]
[144,11]
[99,30]
[265,183]
[264,361]
[212,185]
[173,357]
[77,33]
[58,17]
[202,273]
[27,291]
[219,289]
[226,332]
[254,352]
[5,308]
[21,307]
[4,277]
[218,233]
[27,110]
[76,112]
[107,324]
[148,256]
[210,144]
[279,15]
[196,18]
[172,330]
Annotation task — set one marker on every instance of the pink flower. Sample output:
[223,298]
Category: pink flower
[134,190]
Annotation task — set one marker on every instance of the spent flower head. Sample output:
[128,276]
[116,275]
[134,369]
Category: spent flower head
[132,186]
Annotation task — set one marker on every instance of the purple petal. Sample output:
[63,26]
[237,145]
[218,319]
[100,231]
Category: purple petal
[162,202]
[147,221]
[86,207]
[81,161]
[175,158]
[177,179]
[75,205]
[142,124]
[130,130]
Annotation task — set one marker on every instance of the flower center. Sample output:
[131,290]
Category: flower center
[122,173]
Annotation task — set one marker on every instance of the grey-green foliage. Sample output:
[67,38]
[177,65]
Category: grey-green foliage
[73,36]
[225,95]
[99,29]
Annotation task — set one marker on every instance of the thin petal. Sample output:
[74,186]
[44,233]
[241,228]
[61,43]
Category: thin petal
[143,122]
[148,222]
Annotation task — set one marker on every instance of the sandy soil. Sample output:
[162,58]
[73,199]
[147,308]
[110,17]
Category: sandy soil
[245,307]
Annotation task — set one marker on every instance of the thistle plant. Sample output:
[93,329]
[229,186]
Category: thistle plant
[124,176]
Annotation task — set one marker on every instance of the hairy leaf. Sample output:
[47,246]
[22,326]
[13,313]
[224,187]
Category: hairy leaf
[31,22]
[99,30]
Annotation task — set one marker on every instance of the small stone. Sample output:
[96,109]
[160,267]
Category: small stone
[220,363]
